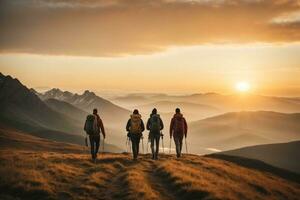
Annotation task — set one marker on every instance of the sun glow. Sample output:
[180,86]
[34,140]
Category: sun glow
[242,86]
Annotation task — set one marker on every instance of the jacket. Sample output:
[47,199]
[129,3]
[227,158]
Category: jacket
[173,130]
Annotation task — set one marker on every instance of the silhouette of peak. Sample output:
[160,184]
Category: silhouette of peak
[54,90]
[88,93]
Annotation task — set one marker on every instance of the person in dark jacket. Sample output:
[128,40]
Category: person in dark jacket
[135,127]
[94,135]
[178,129]
[154,125]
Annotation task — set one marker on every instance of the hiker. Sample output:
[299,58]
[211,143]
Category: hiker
[135,127]
[154,125]
[178,129]
[93,126]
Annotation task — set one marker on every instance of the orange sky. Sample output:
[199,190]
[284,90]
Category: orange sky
[148,46]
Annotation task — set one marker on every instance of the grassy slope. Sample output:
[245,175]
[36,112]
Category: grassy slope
[33,168]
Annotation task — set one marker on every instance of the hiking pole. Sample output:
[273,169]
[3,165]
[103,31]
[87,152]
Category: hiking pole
[162,143]
[186,148]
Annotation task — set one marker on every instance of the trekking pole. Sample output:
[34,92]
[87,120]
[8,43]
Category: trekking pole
[162,143]
[186,148]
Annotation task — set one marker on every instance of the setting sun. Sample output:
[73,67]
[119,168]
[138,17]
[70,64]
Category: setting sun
[242,86]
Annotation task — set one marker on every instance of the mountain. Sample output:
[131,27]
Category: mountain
[51,119]
[239,129]
[283,155]
[39,171]
[87,101]
[67,109]
[19,105]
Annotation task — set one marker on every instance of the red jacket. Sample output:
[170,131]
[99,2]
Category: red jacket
[176,130]
[100,124]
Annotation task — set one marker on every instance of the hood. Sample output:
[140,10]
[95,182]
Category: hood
[154,114]
[178,115]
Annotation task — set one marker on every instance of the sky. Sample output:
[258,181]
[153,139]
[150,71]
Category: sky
[170,46]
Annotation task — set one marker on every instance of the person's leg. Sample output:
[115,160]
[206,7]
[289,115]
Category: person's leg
[97,144]
[152,145]
[177,146]
[157,145]
[92,146]
[138,138]
[133,142]
[180,143]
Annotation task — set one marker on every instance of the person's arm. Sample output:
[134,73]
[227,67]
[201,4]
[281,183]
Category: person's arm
[185,127]
[102,127]
[142,125]
[171,127]
[148,124]
[128,125]
[161,124]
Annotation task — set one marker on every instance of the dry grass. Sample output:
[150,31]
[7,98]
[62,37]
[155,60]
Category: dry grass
[41,175]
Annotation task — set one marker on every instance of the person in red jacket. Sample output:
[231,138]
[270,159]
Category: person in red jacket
[178,129]
[94,133]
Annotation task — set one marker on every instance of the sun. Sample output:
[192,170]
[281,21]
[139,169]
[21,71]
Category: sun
[242,86]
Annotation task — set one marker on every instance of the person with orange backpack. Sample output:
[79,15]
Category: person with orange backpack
[178,129]
[135,127]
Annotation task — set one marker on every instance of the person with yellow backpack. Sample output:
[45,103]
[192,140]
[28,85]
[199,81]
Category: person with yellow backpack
[135,128]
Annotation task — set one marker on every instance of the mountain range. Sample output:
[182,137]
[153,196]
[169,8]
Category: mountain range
[239,129]
[51,119]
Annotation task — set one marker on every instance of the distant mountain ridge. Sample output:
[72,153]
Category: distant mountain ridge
[87,102]
[226,103]
[239,129]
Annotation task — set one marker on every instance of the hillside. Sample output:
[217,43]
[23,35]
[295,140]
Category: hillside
[240,129]
[56,175]
[19,105]
[35,168]
[283,155]
[67,109]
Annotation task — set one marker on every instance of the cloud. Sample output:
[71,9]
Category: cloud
[122,27]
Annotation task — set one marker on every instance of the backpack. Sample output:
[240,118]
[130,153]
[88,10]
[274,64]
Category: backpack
[155,123]
[89,124]
[135,126]
[179,125]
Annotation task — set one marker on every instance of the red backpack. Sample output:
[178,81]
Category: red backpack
[179,125]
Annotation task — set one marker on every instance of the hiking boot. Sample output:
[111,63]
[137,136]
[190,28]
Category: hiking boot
[153,157]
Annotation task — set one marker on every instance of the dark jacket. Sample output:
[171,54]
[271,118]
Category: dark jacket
[129,124]
[149,123]
[173,130]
